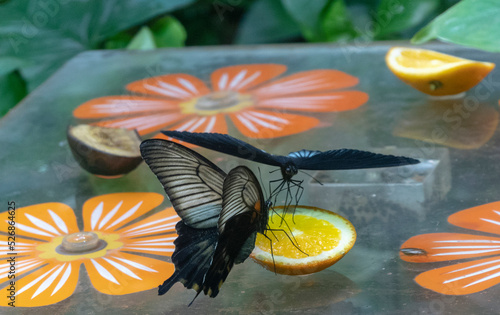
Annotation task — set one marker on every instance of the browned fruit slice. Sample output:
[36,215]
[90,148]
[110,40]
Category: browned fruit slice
[105,151]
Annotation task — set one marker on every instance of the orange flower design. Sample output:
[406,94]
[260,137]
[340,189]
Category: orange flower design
[250,95]
[463,278]
[49,244]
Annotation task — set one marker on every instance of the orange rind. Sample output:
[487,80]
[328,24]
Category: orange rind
[435,73]
[323,235]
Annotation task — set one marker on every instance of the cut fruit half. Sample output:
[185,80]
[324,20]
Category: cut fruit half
[105,151]
[435,73]
[323,235]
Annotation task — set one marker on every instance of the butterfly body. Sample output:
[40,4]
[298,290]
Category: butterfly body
[220,214]
[288,170]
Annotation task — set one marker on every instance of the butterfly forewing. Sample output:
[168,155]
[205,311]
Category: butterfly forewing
[345,159]
[192,183]
[226,144]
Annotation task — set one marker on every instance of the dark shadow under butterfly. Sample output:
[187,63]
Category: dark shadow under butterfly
[342,159]
[220,214]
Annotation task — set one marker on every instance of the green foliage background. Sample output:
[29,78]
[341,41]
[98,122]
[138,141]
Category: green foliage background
[39,36]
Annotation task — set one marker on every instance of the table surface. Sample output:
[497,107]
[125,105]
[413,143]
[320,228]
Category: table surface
[37,167]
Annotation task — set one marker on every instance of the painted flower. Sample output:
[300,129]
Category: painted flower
[251,97]
[466,277]
[49,248]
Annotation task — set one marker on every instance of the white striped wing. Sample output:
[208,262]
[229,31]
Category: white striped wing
[193,183]
[242,193]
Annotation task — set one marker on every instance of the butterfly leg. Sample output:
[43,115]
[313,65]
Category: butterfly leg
[294,243]
[299,190]
[275,192]
[286,223]
[271,246]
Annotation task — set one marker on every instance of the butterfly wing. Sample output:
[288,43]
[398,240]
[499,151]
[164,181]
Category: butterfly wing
[228,145]
[193,183]
[193,252]
[345,159]
[243,214]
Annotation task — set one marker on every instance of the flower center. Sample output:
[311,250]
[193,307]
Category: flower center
[80,242]
[217,102]
[79,245]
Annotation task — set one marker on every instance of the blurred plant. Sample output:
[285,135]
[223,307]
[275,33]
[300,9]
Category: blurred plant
[473,23]
[37,37]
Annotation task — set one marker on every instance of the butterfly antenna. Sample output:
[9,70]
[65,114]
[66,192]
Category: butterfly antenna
[311,177]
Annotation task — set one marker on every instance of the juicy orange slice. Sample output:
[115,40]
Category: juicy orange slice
[323,235]
[435,73]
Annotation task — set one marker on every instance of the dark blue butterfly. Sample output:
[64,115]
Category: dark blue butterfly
[290,164]
[220,214]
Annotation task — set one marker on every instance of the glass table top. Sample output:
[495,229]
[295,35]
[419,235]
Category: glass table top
[367,108]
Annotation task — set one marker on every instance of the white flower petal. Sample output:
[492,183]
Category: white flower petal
[29,229]
[63,280]
[126,215]
[32,283]
[48,281]
[123,269]
[135,264]
[104,272]
[58,221]
[42,224]
[110,214]
[96,215]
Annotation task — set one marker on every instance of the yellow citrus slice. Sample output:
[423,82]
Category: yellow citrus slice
[323,235]
[435,73]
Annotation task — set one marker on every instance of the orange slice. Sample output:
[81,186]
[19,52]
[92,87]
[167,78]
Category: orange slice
[323,235]
[435,73]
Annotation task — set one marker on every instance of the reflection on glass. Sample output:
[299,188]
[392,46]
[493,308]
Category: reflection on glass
[462,123]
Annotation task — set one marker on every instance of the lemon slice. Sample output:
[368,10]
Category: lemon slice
[323,235]
[435,73]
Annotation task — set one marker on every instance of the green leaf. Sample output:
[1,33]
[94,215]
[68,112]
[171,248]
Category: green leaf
[336,24]
[397,16]
[306,13]
[143,40]
[12,90]
[473,23]
[48,33]
[266,21]
[9,64]
[118,41]
[168,32]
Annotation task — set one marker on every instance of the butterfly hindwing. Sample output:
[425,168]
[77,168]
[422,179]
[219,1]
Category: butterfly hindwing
[243,214]
[242,194]
[192,183]
[193,252]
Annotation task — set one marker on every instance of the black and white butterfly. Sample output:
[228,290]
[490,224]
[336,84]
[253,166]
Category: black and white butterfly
[290,164]
[220,214]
